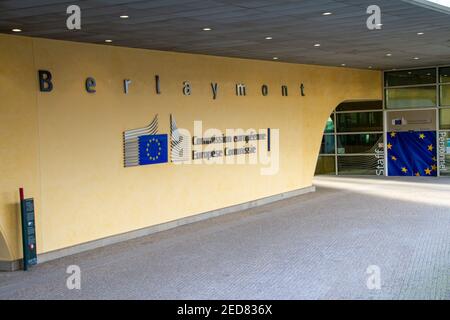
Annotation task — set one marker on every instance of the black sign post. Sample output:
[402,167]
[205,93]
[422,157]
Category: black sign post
[28,231]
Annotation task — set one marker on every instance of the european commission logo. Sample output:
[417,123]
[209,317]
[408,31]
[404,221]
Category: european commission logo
[152,149]
[211,146]
[145,146]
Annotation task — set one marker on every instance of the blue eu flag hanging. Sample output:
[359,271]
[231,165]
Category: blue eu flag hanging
[412,153]
[153,149]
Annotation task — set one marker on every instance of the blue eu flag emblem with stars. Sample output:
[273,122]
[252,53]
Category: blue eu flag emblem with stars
[412,153]
[153,149]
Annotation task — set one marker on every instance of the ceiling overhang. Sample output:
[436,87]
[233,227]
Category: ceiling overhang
[294,31]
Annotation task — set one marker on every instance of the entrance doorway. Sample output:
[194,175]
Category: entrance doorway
[412,143]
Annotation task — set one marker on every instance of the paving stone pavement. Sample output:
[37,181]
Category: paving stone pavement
[315,246]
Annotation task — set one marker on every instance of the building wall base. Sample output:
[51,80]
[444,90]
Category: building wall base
[48,256]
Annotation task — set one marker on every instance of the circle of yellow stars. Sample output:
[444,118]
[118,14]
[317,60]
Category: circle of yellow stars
[430,147]
[149,143]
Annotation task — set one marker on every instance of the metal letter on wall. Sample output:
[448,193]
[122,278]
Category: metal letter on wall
[241,89]
[157,85]
[214,88]
[187,88]
[90,85]
[126,85]
[45,81]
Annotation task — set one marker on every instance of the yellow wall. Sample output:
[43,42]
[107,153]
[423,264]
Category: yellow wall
[65,147]
[19,138]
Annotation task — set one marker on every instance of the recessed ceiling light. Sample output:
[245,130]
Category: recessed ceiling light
[268,38]
[16,30]
[327,13]
[388,54]
[317,45]
[124,17]
[275,58]
[416,58]
[207,29]
[420,33]
[343,64]
[108,40]
[370,67]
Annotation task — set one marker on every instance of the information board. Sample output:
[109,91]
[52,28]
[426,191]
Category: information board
[28,233]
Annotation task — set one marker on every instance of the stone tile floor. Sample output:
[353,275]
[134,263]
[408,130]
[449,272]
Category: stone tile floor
[315,246]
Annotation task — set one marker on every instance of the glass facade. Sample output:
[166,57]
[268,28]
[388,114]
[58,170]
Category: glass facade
[352,143]
[357,165]
[360,105]
[328,145]
[410,77]
[355,133]
[329,127]
[444,97]
[424,88]
[444,119]
[326,165]
[359,121]
[359,143]
[410,88]
[413,97]
[444,122]
[444,75]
